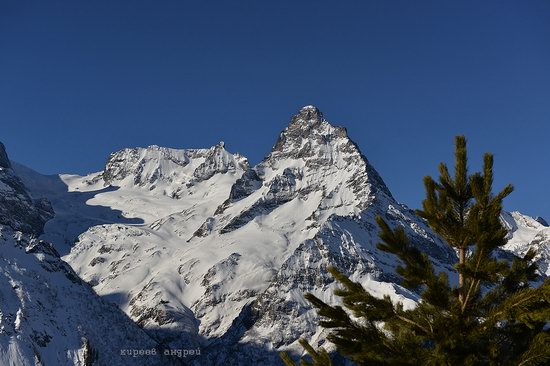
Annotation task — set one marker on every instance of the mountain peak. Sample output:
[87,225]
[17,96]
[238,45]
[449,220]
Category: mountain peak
[307,117]
[4,160]
[311,158]
[308,125]
[312,139]
[17,208]
[541,221]
[309,113]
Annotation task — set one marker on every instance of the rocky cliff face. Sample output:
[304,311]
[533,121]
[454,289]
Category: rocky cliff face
[4,160]
[17,209]
[169,170]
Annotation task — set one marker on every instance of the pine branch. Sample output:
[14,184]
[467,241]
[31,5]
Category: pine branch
[320,357]
[520,305]
[538,352]
[412,322]
[287,360]
[473,284]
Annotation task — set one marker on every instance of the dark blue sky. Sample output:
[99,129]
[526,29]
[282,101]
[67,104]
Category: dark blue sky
[80,79]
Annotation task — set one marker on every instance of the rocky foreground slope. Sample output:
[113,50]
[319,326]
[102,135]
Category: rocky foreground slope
[204,251]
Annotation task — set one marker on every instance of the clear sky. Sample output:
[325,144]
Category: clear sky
[80,79]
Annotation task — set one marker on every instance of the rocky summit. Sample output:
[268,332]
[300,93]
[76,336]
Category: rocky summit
[203,250]
[17,209]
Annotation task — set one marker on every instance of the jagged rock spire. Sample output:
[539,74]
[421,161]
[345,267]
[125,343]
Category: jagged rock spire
[17,209]
[311,138]
[4,160]
[541,221]
[309,114]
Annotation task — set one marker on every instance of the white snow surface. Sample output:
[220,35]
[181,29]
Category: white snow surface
[47,312]
[526,233]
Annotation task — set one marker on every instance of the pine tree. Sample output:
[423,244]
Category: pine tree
[493,316]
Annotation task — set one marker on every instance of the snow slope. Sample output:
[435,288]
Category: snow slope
[528,233]
[48,315]
[123,209]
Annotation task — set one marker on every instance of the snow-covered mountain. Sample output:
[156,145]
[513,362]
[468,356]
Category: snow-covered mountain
[525,233]
[48,315]
[169,170]
[137,186]
[203,250]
